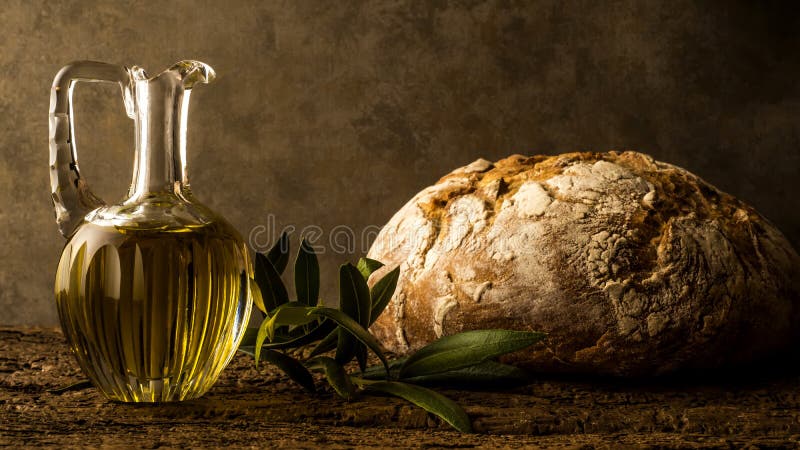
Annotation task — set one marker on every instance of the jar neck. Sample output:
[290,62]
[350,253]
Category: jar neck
[162,108]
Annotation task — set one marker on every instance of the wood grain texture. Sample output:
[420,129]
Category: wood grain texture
[263,409]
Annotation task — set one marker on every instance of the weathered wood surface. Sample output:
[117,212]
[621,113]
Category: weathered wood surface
[249,408]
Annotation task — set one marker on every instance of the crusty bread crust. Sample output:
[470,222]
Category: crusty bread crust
[632,266]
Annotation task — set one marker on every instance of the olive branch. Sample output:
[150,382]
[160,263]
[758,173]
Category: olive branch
[466,359]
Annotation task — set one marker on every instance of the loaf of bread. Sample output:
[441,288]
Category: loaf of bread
[632,266]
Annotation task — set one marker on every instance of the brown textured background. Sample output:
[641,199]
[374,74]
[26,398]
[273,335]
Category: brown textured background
[331,113]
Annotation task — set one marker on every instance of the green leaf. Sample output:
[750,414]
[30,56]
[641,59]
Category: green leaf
[291,367]
[482,373]
[278,255]
[291,313]
[361,356]
[366,266]
[249,338]
[466,349]
[258,300]
[262,336]
[77,386]
[248,344]
[429,400]
[478,375]
[345,346]
[273,292]
[335,374]
[306,275]
[327,344]
[378,372]
[286,314]
[350,325]
[354,300]
[382,292]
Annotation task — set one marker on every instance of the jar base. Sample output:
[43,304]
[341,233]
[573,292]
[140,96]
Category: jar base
[164,390]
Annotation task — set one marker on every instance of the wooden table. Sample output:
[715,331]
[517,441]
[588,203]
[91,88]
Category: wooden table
[249,408]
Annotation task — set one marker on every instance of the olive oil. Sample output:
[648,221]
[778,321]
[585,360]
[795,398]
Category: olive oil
[153,315]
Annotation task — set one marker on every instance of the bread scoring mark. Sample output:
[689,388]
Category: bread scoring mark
[399,301]
[464,215]
[479,291]
[491,191]
[442,306]
[649,199]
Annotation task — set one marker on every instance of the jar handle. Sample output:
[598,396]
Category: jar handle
[72,198]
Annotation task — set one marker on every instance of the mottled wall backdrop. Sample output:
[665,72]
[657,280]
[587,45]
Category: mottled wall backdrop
[335,113]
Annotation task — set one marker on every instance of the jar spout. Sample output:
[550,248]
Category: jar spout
[193,72]
[187,72]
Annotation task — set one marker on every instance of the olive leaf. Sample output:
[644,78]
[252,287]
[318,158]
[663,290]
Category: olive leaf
[382,292]
[380,295]
[290,366]
[281,342]
[366,266]
[357,287]
[348,304]
[258,300]
[273,292]
[429,400]
[361,356]
[278,255]
[306,275]
[335,374]
[249,338]
[378,372]
[466,349]
[346,323]
[327,344]
[480,374]
[77,386]
[355,301]
[291,313]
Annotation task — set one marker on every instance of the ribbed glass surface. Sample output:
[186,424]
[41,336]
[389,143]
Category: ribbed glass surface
[153,315]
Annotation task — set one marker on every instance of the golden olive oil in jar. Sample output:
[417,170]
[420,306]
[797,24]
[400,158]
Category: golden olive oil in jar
[156,315]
